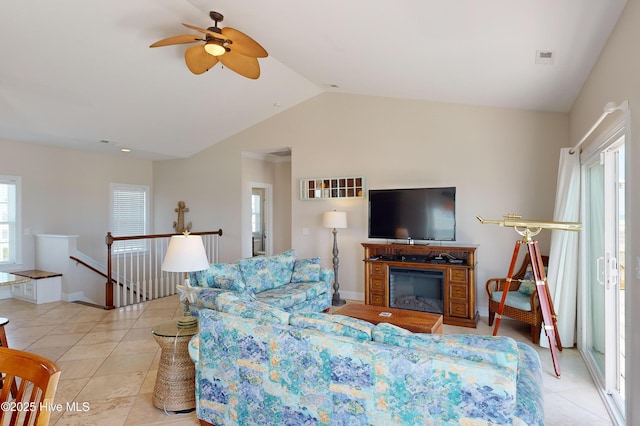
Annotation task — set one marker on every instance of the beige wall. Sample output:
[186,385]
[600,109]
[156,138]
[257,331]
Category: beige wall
[616,77]
[501,161]
[67,192]
[210,185]
[282,207]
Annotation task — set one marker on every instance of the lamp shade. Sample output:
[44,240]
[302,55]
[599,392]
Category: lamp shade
[185,254]
[334,219]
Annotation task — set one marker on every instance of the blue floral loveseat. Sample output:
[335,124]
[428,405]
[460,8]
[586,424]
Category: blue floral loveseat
[281,280]
[256,365]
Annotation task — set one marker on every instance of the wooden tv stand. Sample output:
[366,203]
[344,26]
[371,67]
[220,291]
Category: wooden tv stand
[459,278]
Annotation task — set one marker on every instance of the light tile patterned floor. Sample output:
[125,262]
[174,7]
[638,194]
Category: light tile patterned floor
[109,361]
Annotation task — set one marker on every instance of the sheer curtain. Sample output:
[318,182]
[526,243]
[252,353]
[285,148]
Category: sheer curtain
[563,254]
[594,185]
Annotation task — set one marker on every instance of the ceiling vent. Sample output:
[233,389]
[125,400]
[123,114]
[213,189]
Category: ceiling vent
[545,57]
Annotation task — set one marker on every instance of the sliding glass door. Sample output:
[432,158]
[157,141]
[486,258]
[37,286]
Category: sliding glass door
[603,269]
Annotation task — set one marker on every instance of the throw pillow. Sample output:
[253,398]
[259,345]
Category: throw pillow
[231,284]
[256,274]
[527,287]
[281,267]
[207,278]
[527,284]
[306,270]
[528,273]
[335,324]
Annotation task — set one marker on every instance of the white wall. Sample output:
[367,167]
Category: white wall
[501,161]
[210,184]
[616,77]
[67,192]
[282,207]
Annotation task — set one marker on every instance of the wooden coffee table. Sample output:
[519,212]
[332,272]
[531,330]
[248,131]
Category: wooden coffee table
[415,321]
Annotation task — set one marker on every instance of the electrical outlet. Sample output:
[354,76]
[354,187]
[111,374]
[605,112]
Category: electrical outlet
[305,231]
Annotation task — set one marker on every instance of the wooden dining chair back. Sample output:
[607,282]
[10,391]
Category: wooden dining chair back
[36,379]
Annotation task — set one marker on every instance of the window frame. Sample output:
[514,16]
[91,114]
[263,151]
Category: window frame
[15,256]
[256,214]
[129,246]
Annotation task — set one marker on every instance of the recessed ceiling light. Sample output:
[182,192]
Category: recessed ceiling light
[125,149]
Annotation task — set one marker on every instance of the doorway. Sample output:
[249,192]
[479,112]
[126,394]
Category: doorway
[603,337]
[261,219]
[258,233]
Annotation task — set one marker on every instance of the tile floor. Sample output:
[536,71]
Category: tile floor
[109,361]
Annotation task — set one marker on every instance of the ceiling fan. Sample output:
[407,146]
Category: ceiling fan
[232,48]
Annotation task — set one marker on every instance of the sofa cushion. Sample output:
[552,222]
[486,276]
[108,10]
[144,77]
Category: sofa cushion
[256,273]
[250,308]
[312,289]
[282,297]
[306,270]
[281,267]
[529,400]
[500,351]
[454,391]
[334,324]
[293,294]
[207,277]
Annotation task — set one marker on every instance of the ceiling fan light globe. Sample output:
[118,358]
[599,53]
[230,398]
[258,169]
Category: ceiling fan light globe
[214,48]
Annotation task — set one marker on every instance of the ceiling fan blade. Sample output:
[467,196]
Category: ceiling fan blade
[244,44]
[198,60]
[204,31]
[244,65]
[178,39]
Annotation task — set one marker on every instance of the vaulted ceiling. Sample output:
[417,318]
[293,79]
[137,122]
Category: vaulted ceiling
[76,73]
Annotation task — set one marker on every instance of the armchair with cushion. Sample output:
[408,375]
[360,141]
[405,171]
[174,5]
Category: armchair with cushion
[522,302]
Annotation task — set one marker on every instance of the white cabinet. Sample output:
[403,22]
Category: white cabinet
[39,290]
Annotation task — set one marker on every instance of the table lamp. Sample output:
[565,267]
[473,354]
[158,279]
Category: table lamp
[335,220]
[185,254]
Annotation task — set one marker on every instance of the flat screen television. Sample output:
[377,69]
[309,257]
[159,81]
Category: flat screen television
[413,214]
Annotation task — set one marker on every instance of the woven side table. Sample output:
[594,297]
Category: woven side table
[175,382]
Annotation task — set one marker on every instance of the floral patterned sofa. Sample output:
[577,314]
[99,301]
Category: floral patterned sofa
[256,365]
[282,281]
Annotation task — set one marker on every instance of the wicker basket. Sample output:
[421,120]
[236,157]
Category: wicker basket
[175,381]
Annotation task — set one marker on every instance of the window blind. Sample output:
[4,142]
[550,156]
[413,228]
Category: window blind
[129,212]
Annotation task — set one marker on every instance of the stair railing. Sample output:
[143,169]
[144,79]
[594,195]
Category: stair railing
[134,267]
